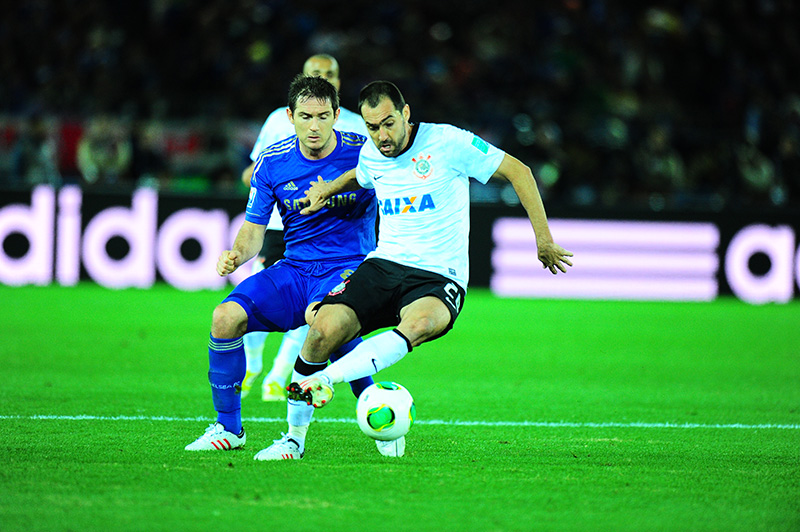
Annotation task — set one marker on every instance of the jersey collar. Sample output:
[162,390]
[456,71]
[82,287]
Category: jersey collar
[414,130]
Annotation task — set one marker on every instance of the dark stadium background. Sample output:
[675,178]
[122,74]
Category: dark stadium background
[656,111]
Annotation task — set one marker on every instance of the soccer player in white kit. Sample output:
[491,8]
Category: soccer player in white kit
[277,127]
[416,279]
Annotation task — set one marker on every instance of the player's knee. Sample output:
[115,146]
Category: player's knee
[229,320]
[315,346]
[422,328]
[336,321]
[333,326]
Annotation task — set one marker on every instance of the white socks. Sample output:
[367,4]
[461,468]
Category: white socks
[254,350]
[298,434]
[298,413]
[369,357]
[284,360]
[287,354]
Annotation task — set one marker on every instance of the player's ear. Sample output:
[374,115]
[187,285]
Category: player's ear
[336,115]
[406,113]
[290,115]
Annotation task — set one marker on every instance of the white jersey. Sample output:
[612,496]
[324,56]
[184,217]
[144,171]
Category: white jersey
[277,127]
[423,196]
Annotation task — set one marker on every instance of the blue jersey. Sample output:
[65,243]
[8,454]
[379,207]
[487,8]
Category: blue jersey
[345,228]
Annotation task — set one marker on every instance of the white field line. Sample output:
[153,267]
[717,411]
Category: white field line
[453,423]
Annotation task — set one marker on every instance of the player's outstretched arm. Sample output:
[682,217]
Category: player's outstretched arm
[248,242]
[551,255]
[321,191]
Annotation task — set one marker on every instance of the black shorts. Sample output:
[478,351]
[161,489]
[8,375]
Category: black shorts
[379,289]
[273,248]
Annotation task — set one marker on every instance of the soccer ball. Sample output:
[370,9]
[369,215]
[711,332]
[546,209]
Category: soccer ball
[385,411]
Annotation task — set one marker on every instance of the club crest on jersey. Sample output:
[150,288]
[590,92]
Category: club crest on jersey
[422,166]
[339,288]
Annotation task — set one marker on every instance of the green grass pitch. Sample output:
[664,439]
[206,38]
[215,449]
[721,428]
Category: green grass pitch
[531,415]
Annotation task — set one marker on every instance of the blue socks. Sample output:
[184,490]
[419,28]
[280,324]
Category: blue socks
[358,385]
[226,369]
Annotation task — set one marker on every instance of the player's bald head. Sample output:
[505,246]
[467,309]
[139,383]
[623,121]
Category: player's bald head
[323,66]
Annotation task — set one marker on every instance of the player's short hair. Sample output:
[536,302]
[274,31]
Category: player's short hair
[374,92]
[304,87]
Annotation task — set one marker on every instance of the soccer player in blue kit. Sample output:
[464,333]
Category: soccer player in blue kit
[321,251]
[276,128]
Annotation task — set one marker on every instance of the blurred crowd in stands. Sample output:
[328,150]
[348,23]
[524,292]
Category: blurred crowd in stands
[669,105]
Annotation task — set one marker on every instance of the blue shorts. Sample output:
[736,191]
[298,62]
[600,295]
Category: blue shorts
[276,298]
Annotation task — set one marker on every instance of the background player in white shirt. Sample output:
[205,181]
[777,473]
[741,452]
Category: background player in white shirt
[416,279]
[276,128]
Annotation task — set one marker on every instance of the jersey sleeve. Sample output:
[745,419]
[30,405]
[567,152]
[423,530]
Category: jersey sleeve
[474,156]
[362,176]
[276,127]
[352,122]
[261,201]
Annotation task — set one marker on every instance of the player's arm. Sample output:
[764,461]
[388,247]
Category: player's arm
[247,173]
[247,244]
[321,191]
[521,178]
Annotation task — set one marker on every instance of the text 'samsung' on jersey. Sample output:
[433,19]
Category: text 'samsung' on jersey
[344,228]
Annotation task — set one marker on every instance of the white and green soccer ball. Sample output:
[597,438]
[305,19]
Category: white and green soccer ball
[385,411]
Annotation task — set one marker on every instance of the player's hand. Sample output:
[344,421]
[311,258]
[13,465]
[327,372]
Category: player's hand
[227,262]
[554,256]
[315,197]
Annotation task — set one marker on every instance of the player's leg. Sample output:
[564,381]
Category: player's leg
[299,413]
[422,320]
[274,386]
[226,369]
[429,305]
[359,385]
[275,382]
[254,353]
[292,444]
[360,304]
[261,302]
